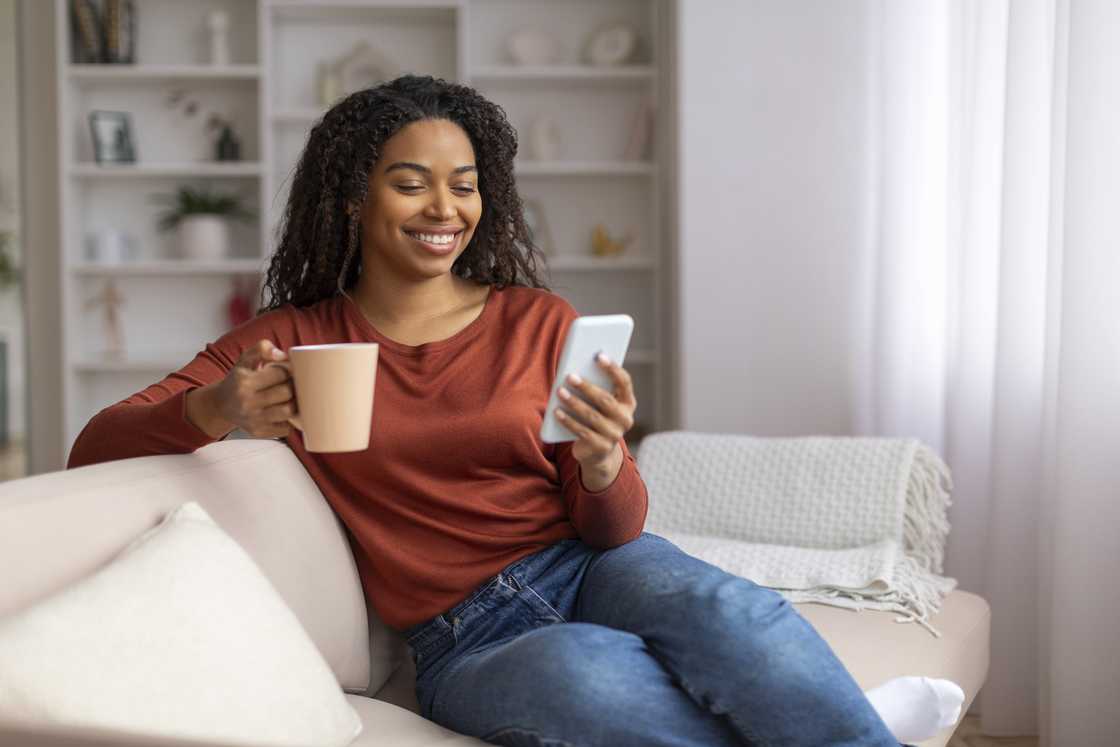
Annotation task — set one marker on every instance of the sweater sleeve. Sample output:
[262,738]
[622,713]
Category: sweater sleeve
[612,516]
[153,420]
[609,517]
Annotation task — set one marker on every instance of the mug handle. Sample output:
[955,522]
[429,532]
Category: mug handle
[286,365]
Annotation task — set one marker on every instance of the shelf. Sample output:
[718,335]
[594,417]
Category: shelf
[591,262]
[116,365]
[150,170]
[584,168]
[174,363]
[563,73]
[358,11]
[172,267]
[304,116]
[640,358]
[108,73]
[312,5]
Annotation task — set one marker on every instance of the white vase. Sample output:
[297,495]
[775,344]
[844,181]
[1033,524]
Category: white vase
[218,20]
[545,143]
[203,237]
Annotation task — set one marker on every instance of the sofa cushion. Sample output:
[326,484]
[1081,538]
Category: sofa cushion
[180,635]
[255,489]
[875,648]
[388,725]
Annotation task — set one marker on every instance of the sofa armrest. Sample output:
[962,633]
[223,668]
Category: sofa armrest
[69,736]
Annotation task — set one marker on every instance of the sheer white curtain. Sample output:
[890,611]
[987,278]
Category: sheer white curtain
[996,326]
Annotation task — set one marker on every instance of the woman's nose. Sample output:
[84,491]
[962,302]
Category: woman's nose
[441,207]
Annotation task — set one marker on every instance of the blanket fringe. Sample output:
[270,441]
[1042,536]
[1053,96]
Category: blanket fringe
[915,594]
[916,588]
[925,521]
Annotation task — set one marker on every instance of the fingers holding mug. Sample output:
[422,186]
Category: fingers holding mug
[259,355]
[280,416]
[280,397]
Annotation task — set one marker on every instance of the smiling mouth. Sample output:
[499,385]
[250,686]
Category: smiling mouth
[445,247]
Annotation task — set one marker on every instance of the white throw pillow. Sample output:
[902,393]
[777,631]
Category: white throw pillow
[180,635]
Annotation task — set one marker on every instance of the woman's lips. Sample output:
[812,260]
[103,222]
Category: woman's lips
[439,249]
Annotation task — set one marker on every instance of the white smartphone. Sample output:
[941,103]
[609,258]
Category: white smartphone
[587,336]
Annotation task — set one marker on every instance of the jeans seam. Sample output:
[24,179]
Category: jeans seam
[578,606]
[434,683]
[548,741]
[751,735]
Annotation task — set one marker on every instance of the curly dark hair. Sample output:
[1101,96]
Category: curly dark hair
[319,255]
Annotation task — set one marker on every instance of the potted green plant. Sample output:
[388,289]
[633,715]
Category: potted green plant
[201,217]
[9,277]
[9,273]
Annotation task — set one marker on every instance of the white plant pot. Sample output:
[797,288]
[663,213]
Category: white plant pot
[203,237]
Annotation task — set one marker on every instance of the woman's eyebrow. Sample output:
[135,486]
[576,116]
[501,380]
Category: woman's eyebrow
[425,169]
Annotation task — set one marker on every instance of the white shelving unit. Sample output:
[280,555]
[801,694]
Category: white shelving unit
[185,170]
[174,307]
[100,73]
[171,267]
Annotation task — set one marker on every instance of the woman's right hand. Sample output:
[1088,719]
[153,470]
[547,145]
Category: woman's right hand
[256,397]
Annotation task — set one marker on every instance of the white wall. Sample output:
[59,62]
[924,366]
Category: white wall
[773,182]
[38,117]
[11,312]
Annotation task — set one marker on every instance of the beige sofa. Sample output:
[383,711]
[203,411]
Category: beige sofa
[57,527]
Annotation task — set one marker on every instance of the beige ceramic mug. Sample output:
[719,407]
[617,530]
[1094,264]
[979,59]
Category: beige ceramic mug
[334,392]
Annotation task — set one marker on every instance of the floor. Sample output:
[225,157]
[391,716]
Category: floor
[968,735]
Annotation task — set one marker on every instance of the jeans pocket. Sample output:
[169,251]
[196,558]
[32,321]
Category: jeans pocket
[542,608]
[547,609]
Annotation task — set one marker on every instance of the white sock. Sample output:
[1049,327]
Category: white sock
[917,708]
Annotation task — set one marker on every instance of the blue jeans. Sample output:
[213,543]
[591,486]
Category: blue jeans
[641,644]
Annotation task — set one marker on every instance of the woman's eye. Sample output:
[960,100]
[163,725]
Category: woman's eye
[411,188]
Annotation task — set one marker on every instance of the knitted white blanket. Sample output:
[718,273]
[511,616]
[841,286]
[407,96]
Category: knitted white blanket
[851,522]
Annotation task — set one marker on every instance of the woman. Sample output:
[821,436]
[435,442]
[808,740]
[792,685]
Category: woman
[536,608]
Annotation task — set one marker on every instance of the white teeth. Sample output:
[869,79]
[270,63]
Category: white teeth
[434,238]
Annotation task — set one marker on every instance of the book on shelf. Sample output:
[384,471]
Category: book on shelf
[103,33]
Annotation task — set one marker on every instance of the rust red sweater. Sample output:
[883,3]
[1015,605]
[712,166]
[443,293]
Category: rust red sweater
[456,483]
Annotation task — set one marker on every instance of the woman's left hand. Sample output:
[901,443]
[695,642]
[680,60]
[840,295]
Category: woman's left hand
[600,426]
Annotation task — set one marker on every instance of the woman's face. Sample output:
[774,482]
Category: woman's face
[424,182]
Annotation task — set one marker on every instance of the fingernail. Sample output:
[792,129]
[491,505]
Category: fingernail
[574,378]
[603,358]
[564,393]
[277,353]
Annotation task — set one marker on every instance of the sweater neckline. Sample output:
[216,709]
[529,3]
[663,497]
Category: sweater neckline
[462,336]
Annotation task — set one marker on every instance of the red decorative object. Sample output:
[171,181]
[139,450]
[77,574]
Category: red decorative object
[239,308]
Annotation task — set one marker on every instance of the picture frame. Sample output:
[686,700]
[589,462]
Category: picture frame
[112,137]
[538,225]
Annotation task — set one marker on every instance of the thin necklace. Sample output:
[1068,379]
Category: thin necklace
[422,321]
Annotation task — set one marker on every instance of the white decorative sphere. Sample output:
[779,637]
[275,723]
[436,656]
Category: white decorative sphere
[611,45]
[532,47]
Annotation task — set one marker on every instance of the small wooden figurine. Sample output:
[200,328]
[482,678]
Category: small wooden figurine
[602,245]
[111,298]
